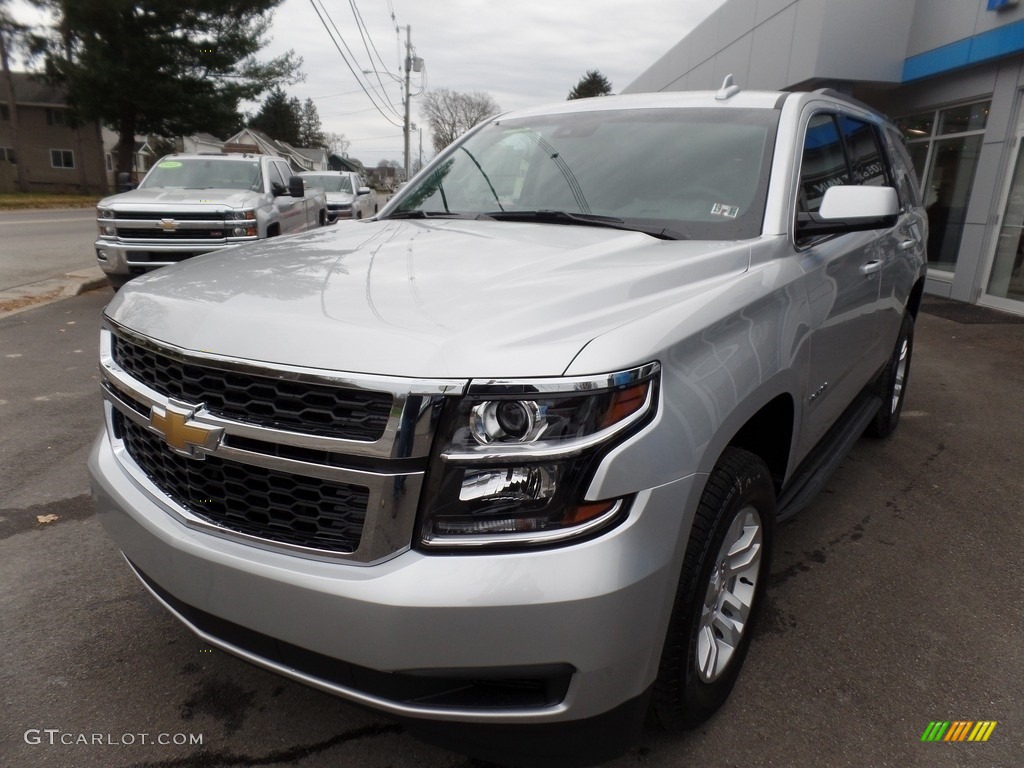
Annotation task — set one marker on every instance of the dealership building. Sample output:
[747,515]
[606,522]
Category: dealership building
[949,72]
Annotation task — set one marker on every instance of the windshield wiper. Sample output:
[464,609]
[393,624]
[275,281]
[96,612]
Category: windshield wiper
[416,213]
[546,216]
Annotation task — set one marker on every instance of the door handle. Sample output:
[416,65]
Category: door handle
[906,245]
[869,268]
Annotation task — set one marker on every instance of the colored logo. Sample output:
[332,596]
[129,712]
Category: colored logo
[959,730]
[184,436]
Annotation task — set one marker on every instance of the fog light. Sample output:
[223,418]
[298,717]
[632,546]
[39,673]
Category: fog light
[110,230]
[101,254]
[238,232]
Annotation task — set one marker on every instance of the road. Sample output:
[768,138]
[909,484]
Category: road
[895,600]
[37,245]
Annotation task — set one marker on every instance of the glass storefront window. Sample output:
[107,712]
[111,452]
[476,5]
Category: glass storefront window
[917,126]
[944,146]
[970,117]
[947,194]
[1007,277]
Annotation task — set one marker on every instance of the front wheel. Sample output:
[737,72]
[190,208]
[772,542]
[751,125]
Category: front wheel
[892,382]
[719,593]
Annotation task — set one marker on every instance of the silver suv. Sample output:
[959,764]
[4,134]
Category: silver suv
[507,461]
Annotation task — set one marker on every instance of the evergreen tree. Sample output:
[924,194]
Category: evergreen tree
[165,68]
[591,84]
[280,117]
[311,131]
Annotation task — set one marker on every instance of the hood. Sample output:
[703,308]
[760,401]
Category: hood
[423,299]
[340,197]
[139,199]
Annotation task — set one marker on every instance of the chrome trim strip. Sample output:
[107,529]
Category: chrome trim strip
[407,434]
[390,511]
[563,385]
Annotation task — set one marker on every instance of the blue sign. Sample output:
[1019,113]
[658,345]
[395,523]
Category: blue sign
[998,5]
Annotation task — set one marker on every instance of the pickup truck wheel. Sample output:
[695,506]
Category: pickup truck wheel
[892,382]
[719,593]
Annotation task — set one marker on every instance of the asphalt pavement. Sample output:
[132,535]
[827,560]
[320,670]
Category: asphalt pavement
[46,255]
[895,599]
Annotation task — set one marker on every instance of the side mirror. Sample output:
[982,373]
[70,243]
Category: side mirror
[296,187]
[364,191]
[124,182]
[851,208]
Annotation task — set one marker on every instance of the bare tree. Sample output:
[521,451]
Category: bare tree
[338,144]
[450,113]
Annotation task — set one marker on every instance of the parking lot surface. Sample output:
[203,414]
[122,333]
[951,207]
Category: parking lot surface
[895,599]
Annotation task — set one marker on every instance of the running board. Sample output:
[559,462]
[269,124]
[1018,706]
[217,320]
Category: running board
[811,476]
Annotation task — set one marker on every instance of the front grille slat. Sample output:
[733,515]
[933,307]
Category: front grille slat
[299,406]
[154,233]
[266,503]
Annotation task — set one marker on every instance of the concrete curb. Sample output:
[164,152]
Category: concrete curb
[23,297]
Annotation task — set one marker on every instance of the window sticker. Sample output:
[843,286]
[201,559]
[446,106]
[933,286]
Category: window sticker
[729,211]
[170,164]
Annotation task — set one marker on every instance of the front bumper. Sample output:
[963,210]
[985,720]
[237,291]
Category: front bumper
[592,615]
[118,258]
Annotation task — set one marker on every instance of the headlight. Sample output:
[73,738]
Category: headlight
[242,215]
[516,458]
[104,213]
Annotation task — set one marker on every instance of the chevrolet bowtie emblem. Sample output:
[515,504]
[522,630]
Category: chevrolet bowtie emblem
[184,436]
[168,224]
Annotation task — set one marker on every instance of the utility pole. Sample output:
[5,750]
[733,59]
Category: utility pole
[408,73]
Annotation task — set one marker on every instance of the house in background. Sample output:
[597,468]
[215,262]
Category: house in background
[55,154]
[252,140]
[199,143]
[142,158]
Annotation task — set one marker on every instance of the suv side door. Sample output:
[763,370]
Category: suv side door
[842,277]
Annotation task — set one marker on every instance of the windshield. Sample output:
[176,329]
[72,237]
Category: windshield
[699,173]
[205,173]
[329,182]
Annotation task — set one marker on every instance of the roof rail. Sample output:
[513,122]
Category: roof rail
[728,89]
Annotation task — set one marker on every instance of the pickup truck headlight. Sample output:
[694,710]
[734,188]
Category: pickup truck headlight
[515,459]
[247,215]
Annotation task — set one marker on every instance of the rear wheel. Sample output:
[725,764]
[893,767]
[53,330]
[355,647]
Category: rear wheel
[892,382]
[719,593]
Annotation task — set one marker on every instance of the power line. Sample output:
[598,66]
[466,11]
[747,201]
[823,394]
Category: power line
[348,64]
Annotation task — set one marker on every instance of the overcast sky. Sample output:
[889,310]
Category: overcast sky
[521,52]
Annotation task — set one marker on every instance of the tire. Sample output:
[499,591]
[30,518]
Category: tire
[706,644]
[892,382]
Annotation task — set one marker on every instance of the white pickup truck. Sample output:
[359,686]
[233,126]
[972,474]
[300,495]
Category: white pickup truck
[192,204]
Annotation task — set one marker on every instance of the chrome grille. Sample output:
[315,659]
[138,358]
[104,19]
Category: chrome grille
[298,406]
[215,232]
[269,504]
[277,463]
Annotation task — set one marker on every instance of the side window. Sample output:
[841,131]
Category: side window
[823,164]
[866,157]
[275,174]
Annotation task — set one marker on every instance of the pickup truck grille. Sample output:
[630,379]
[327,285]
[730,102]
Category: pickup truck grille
[269,504]
[155,233]
[155,216]
[298,406]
